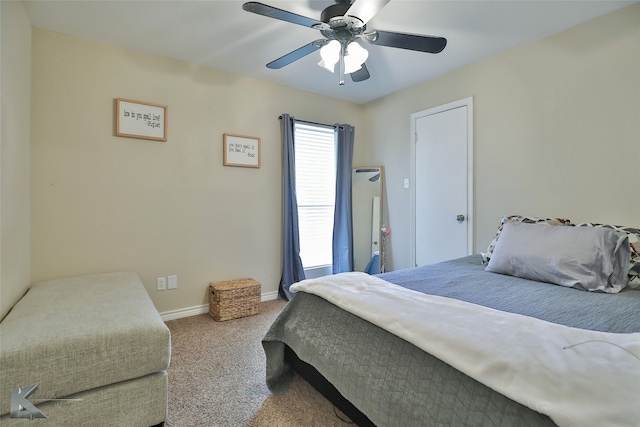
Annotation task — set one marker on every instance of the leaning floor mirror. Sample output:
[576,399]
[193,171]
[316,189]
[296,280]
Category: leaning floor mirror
[366,194]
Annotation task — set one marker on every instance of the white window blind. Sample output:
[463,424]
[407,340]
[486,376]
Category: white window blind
[315,187]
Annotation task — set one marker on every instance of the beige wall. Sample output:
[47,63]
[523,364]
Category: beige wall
[557,125]
[557,130]
[14,140]
[105,203]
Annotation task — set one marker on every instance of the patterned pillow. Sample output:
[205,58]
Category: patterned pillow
[634,242]
[518,218]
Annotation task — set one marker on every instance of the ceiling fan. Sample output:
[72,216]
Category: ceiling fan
[343,24]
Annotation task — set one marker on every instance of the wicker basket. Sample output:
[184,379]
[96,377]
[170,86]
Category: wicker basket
[234,298]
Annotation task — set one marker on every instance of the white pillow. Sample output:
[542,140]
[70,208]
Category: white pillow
[591,259]
[486,256]
[634,243]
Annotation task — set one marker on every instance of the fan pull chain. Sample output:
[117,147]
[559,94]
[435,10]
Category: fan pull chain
[343,50]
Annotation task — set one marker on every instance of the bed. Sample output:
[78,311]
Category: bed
[454,344]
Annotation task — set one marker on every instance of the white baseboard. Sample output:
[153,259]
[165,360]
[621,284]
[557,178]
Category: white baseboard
[202,309]
[184,312]
[269,296]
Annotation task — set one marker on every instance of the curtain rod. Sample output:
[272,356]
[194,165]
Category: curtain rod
[311,123]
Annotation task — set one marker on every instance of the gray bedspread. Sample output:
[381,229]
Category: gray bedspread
[466,280]
[395,383]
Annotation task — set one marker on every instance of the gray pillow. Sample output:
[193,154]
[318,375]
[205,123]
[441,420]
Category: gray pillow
[591,259]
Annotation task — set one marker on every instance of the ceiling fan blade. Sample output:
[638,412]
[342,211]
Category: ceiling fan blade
[283,15]
[429,44]
[366,9]
[296,54]
[360,75]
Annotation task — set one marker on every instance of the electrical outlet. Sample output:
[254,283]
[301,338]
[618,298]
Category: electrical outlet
[162,283]
[173,282]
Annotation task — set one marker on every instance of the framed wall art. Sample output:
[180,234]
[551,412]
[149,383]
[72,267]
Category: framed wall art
[143,120]
[241,150]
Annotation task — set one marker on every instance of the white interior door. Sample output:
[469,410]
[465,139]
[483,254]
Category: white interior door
[443,183]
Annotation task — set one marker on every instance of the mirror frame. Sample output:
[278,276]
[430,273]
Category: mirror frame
[381,220]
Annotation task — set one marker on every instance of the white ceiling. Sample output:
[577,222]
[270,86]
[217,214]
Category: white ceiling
[220,35]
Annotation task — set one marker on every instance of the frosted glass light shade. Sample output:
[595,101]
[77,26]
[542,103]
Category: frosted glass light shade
[330,54]
[356,56]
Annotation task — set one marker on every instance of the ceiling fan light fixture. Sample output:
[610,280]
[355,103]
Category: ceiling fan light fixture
[355,56]
[330,54]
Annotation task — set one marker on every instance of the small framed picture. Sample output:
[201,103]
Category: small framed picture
[241,150]
[143,120]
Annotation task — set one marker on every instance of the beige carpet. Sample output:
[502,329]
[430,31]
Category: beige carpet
[217,372]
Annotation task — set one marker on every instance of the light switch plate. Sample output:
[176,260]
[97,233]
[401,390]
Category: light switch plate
[173,282]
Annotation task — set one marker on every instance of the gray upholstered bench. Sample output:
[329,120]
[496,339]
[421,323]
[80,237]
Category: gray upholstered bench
[95,346]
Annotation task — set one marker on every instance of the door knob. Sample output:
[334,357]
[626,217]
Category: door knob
[460,218]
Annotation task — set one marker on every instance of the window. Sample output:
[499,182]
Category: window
[315,188]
